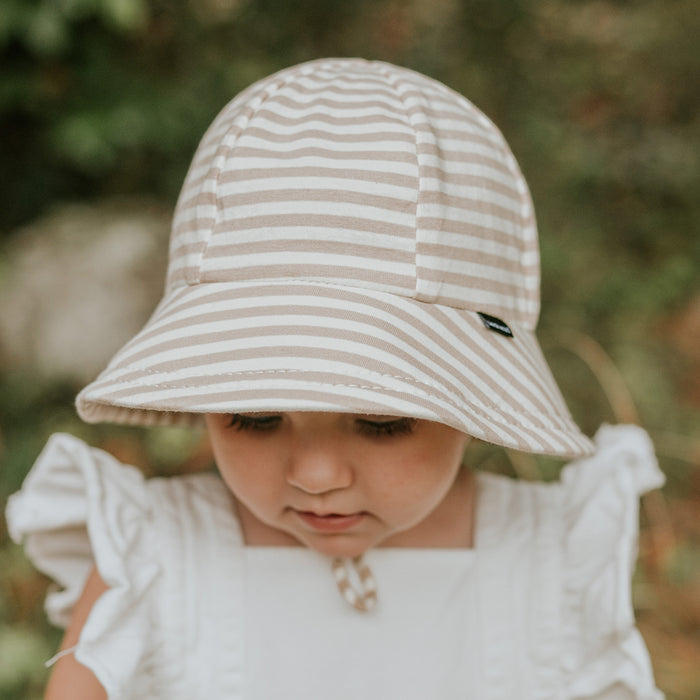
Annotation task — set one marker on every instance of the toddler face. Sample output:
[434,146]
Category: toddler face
[338,483]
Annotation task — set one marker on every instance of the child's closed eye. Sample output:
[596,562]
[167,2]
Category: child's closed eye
[370,426]
[255,422]
[381,427]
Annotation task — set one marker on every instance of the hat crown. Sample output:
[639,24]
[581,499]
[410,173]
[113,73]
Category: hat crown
[361,174]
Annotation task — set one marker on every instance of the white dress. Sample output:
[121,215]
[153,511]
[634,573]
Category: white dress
[540,609]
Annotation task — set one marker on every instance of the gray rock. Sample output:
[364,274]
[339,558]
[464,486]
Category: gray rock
[75,285]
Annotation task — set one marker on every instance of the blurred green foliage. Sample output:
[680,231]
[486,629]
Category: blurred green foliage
[599,100]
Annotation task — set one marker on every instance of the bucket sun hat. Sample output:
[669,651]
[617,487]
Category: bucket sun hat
[352,237]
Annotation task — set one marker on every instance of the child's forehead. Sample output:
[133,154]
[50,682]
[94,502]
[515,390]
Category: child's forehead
[366,175]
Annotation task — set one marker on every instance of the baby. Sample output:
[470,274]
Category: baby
[351,298]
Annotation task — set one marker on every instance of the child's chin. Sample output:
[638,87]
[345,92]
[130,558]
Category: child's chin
[338,546]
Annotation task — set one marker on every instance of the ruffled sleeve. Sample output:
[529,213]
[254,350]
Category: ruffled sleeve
[79,508]
[604,655]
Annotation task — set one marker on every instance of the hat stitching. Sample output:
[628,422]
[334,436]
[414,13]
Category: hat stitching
[411,380]
[396,291]
[400,88]
[232,134]
[439,382]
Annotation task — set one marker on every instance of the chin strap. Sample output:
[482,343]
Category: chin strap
[365,598]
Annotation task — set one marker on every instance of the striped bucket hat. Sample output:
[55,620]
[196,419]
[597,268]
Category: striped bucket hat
[354,237]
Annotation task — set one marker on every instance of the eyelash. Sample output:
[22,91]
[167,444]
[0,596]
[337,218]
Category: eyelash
[390,428]
[399,426]
[254,423]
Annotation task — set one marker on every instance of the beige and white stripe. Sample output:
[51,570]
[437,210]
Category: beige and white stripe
[363,599]
[340,226]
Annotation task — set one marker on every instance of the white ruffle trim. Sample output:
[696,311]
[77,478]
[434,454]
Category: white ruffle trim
[604,655]
[78,508]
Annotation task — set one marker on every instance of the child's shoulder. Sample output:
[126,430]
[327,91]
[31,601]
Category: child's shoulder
[582,524]
[571,546]
[152,541]
[623,465]
[80,507]
[70,479]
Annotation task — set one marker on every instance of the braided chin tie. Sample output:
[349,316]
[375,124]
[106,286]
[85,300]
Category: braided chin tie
[364,599]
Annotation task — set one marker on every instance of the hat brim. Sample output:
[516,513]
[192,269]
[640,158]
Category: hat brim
[306,346]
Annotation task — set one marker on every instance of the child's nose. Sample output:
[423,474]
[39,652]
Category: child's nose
[319,467]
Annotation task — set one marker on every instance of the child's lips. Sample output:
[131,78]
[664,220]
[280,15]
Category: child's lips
[330,522]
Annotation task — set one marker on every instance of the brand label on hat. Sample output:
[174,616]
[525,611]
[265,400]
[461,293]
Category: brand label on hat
[495,324]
